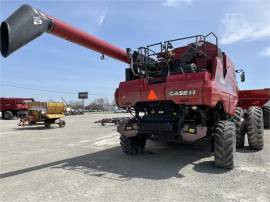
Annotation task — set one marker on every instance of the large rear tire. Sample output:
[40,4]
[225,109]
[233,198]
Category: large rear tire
[266,117]
[239,122]
[8,115]
[132,145]
[225,144]
[255,130]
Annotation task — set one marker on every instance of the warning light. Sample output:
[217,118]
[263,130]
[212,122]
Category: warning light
[192,130]
[152,95]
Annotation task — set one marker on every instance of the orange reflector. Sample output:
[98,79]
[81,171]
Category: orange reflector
[152,95]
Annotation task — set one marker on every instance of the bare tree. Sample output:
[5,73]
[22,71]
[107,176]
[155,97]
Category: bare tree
[101,101]
[98,104]
[77,105]
[113,103]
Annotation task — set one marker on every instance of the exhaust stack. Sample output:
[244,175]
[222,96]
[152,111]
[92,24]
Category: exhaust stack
[28,23]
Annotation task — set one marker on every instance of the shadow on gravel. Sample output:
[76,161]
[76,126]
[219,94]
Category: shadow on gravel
[157,163]
[106,126]
[34,128]
[246,149]
[209,167]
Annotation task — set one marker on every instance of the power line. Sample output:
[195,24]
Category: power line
[22,85]
[45,90]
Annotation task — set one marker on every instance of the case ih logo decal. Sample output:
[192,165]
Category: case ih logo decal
[182,92]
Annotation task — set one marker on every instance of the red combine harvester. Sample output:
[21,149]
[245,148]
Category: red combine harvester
[11,107]
[258,97]
[185,94]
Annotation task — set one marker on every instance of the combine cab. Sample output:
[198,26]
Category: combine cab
[176,93]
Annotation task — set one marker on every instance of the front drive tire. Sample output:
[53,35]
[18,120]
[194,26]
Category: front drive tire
[225,144]
[255,129]
[239,121]
[132,145]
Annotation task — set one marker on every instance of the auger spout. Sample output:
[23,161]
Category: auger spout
[28,23]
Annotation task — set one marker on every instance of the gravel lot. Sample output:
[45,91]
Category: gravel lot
[83,162]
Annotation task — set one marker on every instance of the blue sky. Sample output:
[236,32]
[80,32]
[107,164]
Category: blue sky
[63,69]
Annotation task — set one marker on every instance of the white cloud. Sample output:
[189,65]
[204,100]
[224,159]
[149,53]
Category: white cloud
[103,15]
[236,27]
[101,19]
[265,52]
[175,3]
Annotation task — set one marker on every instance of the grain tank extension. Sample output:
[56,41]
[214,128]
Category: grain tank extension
[182,94]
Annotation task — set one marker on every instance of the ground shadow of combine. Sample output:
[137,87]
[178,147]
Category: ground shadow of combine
[209,167]
[157,163]
[246,149]
[35,128]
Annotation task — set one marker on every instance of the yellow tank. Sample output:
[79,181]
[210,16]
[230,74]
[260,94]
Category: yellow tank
[44,112]
[55,108]
[50,110]
[47,107]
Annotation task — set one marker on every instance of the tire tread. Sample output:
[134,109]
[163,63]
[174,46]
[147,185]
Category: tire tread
[255,129]
[224,144]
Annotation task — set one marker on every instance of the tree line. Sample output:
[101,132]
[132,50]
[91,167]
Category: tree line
[99,104]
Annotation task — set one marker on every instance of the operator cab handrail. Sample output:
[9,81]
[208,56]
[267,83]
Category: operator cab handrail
[157,64]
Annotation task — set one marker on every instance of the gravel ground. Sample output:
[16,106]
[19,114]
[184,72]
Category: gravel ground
[83,162]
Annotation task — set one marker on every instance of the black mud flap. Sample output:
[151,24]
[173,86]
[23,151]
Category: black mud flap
[128,127]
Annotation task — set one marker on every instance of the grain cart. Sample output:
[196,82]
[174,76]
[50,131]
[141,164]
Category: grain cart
[11,107]
[184,93]
[44,113]
[256,97]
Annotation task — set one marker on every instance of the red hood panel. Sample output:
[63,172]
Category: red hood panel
[181,89]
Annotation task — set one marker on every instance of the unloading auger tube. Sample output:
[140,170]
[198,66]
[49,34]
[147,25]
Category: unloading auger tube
[27,23]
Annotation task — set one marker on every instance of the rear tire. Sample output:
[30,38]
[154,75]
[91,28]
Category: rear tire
[132,145]
[8,115]
[266,117]
[47,124]
[225,144]
[22,114]
[239,122]
[62,123]
[255,130]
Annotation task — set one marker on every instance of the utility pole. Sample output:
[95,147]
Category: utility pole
[83,95]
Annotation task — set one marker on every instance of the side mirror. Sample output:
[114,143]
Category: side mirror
[242,76]
[102,57]
[169,45]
